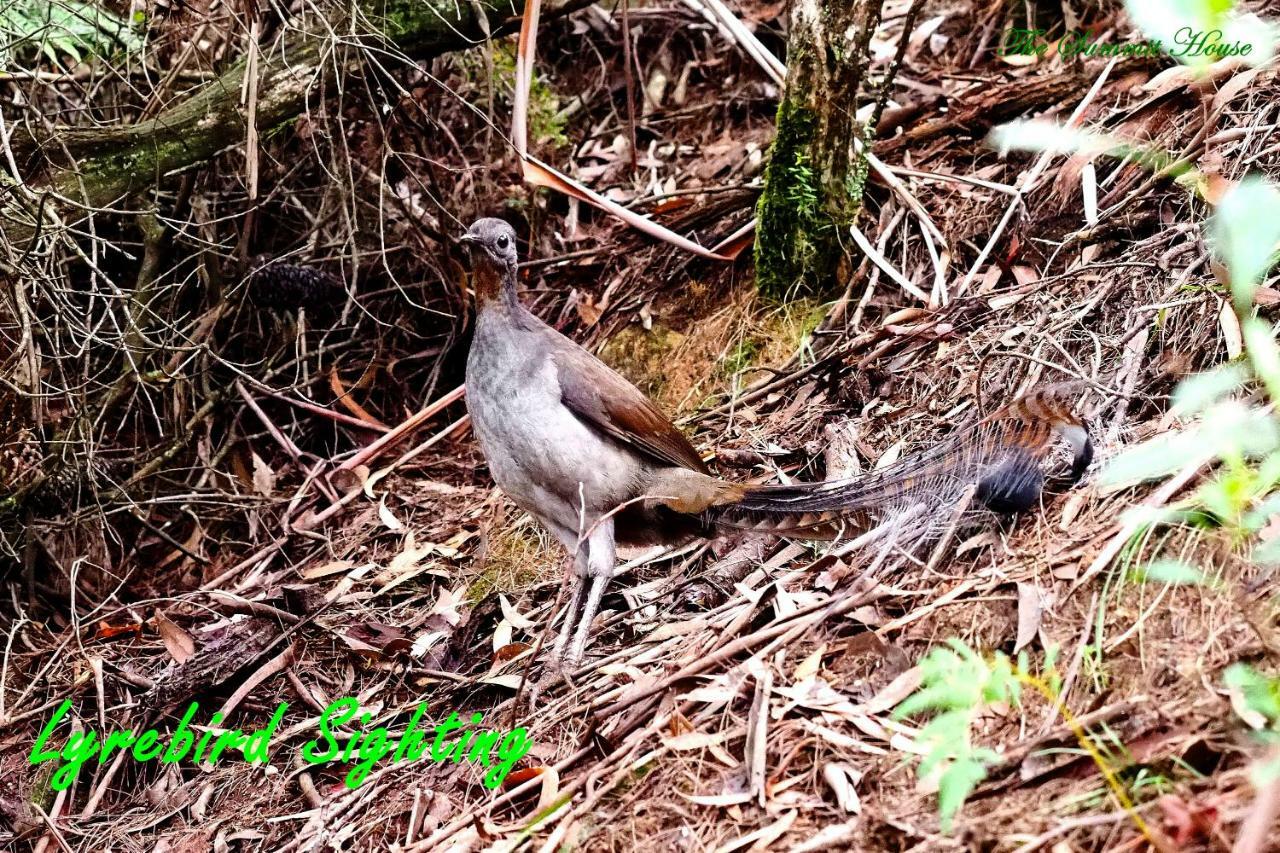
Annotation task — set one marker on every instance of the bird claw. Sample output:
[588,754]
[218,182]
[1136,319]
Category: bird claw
[556,669]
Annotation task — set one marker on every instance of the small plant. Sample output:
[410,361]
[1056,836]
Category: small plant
[1244,230]
[1243,438]
[1259,703]
[959,684]
[1176,24]
[61,30]
[1261,693]
[740,357]
[1235,433]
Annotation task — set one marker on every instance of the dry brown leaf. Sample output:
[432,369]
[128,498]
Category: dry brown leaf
[889,457]
[388,518]
[695,740]
[587,310]
[540,174]
[892,694]
[843,779]
[1266,296]
[502,634]
[1019,60]
[810,666]
[107,631]
[762,838]
[904,315]
[519,777]
[1089,192]
[407,565]
[376,640]
[676,629]
[1071,509]
[1215,187]
[1030,610]
[1006,300]
[333,567]
[264,477]
[526,48]
[1024,275]
[177,642]
[510,651]
[515,617]
[446,605]
[424,643]
[1220,272]
[717,800]
[343,396]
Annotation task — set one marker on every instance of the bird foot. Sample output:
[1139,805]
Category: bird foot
[555,670]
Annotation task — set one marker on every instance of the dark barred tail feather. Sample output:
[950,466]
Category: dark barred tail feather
[288,287]
[1002,457]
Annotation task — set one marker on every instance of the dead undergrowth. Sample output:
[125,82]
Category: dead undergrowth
[719,709]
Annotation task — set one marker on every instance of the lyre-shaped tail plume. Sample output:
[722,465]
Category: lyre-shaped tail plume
[1002,456]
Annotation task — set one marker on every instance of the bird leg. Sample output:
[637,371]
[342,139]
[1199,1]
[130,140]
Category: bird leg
[601,563]
[577,580]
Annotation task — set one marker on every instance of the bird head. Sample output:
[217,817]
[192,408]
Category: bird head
[494,241]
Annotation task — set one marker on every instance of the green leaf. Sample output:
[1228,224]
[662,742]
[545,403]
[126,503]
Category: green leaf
[1260,343]
[1268,553]
[1154,458]
[931,698]
[1171,571]
[1256,518]
[1263,773]
[1196,393]
[1051,657]
[1222,497]
[1261,692]
[1230,430]
[1244,231]
[1267,476]
[1185,27]
[1041,135]
[65,28]
[1164,19]
[955,786]
[956,681]
[1253,31]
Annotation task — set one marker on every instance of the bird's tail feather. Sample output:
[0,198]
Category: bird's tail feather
[1001,456]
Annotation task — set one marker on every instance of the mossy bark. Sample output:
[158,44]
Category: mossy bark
[815,177]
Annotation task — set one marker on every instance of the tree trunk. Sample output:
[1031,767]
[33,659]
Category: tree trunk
[813,183]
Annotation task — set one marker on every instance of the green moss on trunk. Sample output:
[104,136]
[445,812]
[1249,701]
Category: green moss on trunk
[815,178]
[789,222]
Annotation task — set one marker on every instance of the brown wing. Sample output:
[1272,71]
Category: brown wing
[595,393]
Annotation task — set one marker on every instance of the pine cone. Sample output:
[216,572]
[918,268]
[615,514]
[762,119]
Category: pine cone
[286,287]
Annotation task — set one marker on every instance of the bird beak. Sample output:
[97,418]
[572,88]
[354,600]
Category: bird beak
[468,239]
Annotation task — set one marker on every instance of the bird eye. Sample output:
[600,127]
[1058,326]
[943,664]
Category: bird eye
[503,241]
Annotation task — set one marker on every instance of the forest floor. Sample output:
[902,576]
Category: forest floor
[723,705]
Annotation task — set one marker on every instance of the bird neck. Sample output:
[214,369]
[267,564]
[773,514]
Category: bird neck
[493,284]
